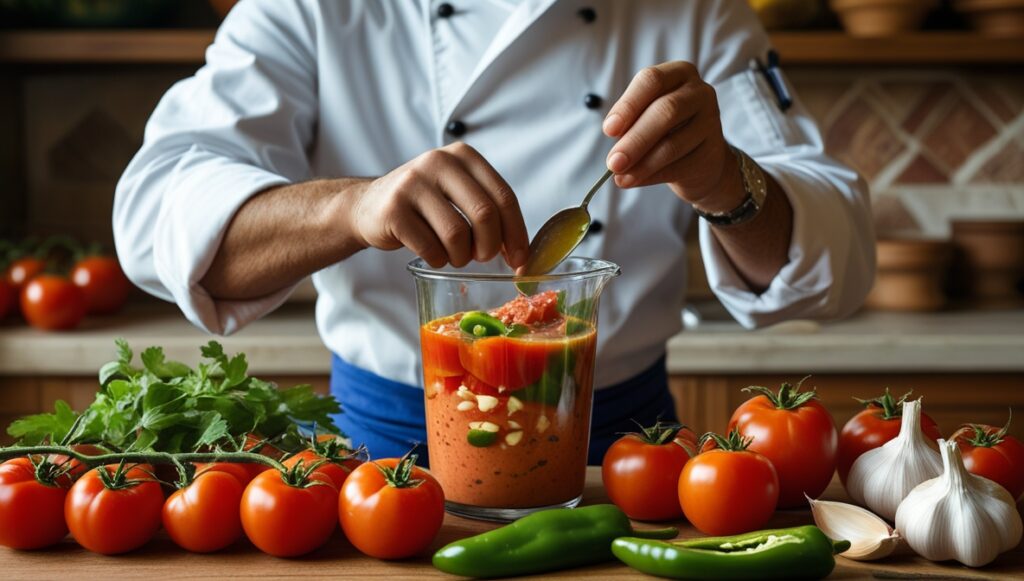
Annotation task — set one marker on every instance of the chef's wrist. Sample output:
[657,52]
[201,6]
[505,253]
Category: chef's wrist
[341,224]
[729,193]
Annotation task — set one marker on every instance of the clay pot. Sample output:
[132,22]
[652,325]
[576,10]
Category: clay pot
[994,17]
[222,7]
[881,17]
[911,275]
[990,261]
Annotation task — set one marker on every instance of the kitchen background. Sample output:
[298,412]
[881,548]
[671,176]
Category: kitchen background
[924,98]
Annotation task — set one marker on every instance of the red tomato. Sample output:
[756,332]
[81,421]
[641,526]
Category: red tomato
[52,303]
[256,443]
[288,519]
[336,466]
[204,516]
[23,270]
[989,452]
[241,472]
[878,423]
[391,509]
[641,471]
[441,349]
[103,283]
[797,434]
[730,490]
[76,469]
[8,297]
[508,363]
[31,512]
[115,512]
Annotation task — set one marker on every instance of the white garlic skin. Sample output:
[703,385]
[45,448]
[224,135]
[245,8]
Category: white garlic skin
[959,516]
[881,478]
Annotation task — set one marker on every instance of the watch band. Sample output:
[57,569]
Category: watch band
[756,186]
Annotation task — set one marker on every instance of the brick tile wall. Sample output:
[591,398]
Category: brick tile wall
[933,144]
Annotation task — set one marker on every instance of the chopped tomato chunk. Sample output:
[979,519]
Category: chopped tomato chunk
[522,310]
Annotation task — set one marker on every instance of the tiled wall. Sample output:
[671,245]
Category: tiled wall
[932,142]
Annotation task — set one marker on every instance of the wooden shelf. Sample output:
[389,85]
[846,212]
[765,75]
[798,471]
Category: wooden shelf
[187,46]
[931,48]
[184,46]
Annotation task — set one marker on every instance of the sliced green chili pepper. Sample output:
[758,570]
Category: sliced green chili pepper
[548,389]
[481,438]
[796,553]
[548,540]
[480,324]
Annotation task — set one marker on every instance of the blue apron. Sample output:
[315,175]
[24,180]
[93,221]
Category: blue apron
[387,416]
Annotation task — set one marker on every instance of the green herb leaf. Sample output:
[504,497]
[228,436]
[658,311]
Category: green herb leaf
[168,407]
[154,361]
[38,428]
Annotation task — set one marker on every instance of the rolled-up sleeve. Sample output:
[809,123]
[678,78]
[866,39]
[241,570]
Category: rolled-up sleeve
[832,252]
[243,123]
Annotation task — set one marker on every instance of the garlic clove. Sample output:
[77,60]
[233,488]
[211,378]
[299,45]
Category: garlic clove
[870,537]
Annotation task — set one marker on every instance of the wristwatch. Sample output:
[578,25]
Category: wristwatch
[756,187]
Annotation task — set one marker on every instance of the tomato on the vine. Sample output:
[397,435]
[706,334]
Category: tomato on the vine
[289,514]
[114,509]
[241,471]
[873,426]
[73,469]
[641,471]
[31,504]
[390,508]
[336,460]
[730,489]
[796,433]
[23,270]
[52,303]
[204,516]
[994,454]
[103,284]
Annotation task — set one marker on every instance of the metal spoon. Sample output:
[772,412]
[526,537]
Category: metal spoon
[557,238]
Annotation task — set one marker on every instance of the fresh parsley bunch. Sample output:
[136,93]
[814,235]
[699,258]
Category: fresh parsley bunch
[168,407]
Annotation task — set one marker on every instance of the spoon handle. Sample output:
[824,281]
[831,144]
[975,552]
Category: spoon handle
[597,186]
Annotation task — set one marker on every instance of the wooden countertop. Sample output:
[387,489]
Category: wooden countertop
[287,343]
[161,559]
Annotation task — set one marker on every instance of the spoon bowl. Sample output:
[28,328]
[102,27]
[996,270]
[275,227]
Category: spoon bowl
[557,238]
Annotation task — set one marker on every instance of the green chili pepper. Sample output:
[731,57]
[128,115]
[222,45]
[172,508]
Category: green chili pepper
[548,540]
[796,553]
[481,438]
[548,389]
[480,324]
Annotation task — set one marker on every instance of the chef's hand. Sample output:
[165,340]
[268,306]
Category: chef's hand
[448,205]
[669,131]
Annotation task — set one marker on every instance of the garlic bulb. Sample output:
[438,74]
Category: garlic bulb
[870,537]
[959,515]
[881,478]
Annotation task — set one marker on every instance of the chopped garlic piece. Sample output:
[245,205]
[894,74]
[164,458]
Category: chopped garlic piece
[465,406]
[543,424]
[514,405]
[514,425]
[486,402]
[513,438]
[485,426]
[464,393]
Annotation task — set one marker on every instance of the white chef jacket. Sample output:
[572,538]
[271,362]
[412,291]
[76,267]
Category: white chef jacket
[297,89]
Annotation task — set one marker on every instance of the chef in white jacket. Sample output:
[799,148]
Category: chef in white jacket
[341,138]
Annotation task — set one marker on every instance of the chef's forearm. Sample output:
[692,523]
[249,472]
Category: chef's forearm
[280,236]
[758,249]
